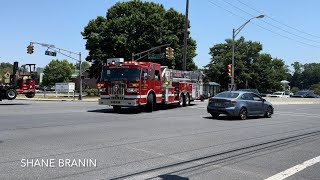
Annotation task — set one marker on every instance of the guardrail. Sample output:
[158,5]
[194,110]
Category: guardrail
[279,101]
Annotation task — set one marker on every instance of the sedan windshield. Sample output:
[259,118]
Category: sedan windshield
[129,74]
[227,95]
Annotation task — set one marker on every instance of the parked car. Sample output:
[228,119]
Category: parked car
[304,94]
[251,90]
[240,104]
[280,95]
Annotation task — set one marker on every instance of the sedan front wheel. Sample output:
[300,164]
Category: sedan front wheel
[269,112]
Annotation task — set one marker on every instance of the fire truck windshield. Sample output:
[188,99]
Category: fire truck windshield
[116,74]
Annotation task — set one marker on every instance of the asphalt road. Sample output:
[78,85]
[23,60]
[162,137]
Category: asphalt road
[176,143]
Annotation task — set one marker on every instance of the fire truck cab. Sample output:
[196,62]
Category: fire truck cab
[137,84]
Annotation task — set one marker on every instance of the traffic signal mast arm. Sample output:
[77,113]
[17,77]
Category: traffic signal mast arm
[147,52]
[59,50]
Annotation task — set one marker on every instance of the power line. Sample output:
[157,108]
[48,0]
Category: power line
[264,27]
[279,21]
[277,27]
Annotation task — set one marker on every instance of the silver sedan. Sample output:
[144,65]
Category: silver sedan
[240,104]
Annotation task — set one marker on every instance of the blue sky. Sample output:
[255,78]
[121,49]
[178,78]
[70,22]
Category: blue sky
[60,22]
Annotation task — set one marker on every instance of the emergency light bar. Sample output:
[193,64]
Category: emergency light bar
[115,60]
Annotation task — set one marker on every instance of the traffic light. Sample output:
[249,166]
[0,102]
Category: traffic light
[30,49]
[167,52]
[229,70]
[172,53]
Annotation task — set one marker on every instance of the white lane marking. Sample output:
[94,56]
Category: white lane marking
[287,112]
[297,115]
[154,153]
[295,169]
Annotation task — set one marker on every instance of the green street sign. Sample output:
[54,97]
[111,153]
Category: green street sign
[50,53]
[156,56]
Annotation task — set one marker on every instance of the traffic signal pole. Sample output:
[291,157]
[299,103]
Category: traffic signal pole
[61,51]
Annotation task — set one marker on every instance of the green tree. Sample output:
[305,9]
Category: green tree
[5,67]
[310,74]
[316,88]
[85,66]
[39,70]
[135,26]
[305,75]
[57,71]
[296,78]
[252,68]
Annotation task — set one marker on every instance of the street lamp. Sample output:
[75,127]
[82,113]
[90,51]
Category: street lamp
[234,34]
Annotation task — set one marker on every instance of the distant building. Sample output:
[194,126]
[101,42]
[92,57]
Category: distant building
[87,83]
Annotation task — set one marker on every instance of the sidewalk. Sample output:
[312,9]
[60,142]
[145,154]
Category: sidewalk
[84,99]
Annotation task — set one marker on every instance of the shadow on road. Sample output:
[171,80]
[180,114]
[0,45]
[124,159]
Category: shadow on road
[135,110]
[14,104]
[230,118]
[172,177]
[111,111]
[1,142]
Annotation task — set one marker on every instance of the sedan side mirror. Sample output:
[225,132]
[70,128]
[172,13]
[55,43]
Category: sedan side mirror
[263,100]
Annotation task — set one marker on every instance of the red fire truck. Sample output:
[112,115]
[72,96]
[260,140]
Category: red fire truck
[137,84]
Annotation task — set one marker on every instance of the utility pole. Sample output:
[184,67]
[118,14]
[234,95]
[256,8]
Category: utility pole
[232,68]
[184,61]
[80,74]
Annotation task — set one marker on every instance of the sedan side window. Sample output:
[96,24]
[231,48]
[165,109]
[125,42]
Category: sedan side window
[248,96]
[256,98]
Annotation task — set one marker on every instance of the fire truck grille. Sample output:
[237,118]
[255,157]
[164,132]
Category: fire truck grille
[116,91]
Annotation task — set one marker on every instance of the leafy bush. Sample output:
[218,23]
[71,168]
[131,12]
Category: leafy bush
[316,88]
[295,89]
[92,92]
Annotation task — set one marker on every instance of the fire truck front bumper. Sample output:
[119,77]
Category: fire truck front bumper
[123,102]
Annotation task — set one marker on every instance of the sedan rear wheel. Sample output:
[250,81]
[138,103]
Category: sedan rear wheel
[243,114]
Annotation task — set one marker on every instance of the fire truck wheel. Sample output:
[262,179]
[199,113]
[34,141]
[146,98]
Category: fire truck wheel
[116,108]
[11,94]
[182,100]
[30,95]
[188,100]
[150,103]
